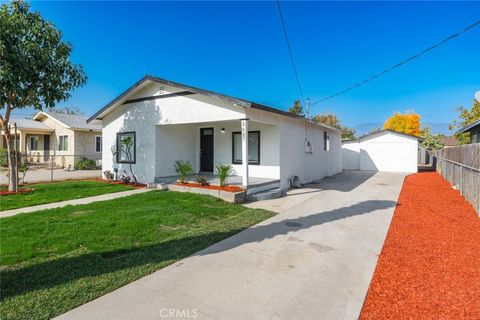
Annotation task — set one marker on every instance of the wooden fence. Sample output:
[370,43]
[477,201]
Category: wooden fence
[461,167]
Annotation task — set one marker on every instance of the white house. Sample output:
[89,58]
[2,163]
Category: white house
[385,150]
[170,121]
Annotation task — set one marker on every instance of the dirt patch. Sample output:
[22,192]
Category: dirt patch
[429,267]
[20,191]
[79,213]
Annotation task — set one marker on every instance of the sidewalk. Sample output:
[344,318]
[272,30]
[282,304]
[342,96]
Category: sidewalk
[103,197]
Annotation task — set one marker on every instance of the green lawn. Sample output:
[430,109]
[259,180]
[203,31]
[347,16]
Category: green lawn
[55,260]
[58,191]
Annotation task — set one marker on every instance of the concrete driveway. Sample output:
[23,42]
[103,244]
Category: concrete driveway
[314,260]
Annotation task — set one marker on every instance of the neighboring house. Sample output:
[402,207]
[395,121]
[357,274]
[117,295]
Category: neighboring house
[170,121]
[474,130]
[385,150]
[67,138]
[450,141]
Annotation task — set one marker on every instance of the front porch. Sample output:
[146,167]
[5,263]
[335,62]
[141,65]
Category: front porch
[250,147]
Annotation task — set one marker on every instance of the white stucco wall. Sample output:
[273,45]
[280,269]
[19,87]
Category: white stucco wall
[294,161]
[351,155]
[385,151]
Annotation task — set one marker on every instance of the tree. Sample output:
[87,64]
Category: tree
[348,133]
[408,122]
[332,120]
[431,141]
[126,148]
[329,119]
[35,68]
[465,117]
[297,108]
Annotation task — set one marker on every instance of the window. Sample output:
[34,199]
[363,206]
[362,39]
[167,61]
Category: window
[326,141]
[33,143]
[253,147]
[126,147]
[62,143]
[98,143]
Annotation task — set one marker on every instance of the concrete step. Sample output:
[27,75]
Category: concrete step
[157,185]
[259,187]
[273,193]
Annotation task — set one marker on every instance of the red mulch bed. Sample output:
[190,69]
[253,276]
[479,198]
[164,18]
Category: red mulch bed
[137,186]
[429,267]
[20,191]
[225,188]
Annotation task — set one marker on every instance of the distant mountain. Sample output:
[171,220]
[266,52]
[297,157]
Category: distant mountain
[437,127]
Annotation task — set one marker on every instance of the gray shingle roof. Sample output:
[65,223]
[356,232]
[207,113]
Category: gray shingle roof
[29,124]
[469,127]
[73,121]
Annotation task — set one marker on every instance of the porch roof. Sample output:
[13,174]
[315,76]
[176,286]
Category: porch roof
[30,125]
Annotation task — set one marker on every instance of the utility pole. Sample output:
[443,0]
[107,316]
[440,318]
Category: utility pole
[307,108]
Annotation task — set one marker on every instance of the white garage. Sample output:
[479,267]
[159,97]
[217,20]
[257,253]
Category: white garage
[385,150]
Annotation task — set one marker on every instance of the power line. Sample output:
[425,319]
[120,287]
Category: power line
[297,78]
[438,44]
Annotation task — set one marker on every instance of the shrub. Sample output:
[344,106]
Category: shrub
[109,175]
[201,180]
[85,164]
[223,170]
[23,169]
[183,169]
[3,157]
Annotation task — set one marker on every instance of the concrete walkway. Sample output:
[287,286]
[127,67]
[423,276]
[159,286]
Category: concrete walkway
[103,197]
[314,260]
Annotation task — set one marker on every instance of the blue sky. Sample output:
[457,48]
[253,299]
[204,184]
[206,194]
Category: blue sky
[238,48]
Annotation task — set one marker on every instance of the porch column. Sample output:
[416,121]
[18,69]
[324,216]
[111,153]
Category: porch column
[244,153]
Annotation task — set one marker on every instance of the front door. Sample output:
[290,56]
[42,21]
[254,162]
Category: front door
[46,148]
[206,149]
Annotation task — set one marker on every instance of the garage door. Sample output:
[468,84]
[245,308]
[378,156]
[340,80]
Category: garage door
[389,156]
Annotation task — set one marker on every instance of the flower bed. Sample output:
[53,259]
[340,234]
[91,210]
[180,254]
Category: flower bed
[224,188]
[21,191]
[132,184]
[232,194]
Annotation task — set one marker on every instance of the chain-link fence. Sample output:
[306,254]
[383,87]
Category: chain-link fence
[51,165]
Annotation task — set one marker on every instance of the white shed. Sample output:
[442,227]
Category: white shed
[385,150]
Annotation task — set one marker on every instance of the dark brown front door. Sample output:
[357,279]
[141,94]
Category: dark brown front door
[46,148]
[206,149]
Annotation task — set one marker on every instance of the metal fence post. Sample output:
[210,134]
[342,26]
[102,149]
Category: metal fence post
[51,166]
[461,180]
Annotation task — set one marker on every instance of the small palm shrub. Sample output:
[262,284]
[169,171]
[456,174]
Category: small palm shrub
[183,169]
[223,170]
[85,164]
[201,180]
